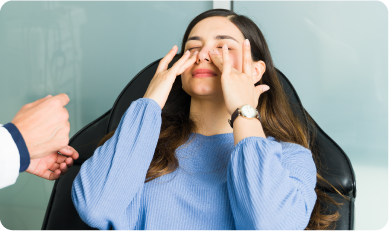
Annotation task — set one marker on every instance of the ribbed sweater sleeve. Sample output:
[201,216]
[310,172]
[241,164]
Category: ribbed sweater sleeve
[271,184]
[107,190]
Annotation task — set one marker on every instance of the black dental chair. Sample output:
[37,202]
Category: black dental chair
[335,166]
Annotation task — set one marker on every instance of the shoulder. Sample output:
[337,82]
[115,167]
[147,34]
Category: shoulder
[295,154]
[290,148]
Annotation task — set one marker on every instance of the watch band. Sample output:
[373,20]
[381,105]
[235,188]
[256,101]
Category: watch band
[235,115]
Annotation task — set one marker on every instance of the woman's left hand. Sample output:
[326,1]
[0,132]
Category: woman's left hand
[238,88]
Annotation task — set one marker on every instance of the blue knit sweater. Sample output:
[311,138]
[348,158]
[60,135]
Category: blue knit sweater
[257,184]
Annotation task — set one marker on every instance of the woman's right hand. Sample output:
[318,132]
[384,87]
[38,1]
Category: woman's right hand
[162,82]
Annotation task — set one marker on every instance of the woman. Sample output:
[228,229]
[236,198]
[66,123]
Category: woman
[175,163]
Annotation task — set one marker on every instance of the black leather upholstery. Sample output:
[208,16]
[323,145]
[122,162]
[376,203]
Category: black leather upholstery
[61,213]
[336,166]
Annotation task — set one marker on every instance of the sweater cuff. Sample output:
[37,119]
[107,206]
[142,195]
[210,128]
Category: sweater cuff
[22,147]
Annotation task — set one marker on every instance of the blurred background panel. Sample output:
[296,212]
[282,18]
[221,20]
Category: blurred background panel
[336,56]
[334,53]
[88,50]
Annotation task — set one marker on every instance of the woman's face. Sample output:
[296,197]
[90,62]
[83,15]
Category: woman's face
[203,77]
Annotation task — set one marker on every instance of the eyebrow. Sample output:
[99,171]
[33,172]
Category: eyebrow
[218,37]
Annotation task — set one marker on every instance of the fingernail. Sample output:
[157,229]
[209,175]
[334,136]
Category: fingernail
[211,51]
[186,52]
[217,52]
[266,88]
[246,42]
[195,53]
[48,96]
[225,47]
[174,47]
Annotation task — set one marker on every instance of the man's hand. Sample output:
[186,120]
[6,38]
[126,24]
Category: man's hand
[52,166]
[44,125]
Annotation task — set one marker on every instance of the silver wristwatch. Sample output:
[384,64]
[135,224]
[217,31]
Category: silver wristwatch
[246,111]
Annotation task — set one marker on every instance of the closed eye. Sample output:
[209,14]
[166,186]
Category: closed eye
[193,48]
[200,47]
[222,48]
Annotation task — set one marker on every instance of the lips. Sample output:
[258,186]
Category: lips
[202,73]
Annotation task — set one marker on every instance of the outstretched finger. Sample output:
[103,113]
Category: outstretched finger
[226,61]
[217,59]
[177,65]
[62,98]
[246,57]
[163,64]
[188,63]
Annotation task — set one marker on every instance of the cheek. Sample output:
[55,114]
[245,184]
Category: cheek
[187,71]
[236,62]
[186,74]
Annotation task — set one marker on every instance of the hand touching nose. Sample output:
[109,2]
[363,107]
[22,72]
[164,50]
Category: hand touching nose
[162,82]
[238,88]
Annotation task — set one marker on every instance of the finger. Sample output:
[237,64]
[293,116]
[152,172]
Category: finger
[69,162]
[54,167]
[75,153]
[217,59]
[188,63]
[63,167]
[246,58]
[62,98]
[60,159]
[39,101]
[176,66]
[261,89]
[52,175]
[163,64]
[226,61]
[67,151]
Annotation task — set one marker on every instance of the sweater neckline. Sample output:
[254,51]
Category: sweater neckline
[217,136]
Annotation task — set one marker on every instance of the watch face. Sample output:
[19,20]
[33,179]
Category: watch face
[248,111]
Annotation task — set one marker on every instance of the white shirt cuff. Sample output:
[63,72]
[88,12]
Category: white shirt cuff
[9,159]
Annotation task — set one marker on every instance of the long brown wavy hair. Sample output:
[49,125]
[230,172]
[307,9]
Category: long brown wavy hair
[277,117]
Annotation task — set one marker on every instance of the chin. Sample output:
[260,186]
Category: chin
[203,90]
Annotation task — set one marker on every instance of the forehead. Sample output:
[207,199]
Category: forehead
[209,27]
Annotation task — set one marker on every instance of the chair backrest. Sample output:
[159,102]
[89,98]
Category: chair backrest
[335,166]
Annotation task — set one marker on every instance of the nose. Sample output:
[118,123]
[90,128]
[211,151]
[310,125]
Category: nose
[203,56]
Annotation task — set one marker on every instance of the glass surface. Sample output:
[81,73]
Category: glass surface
[88,50]
[336,56]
